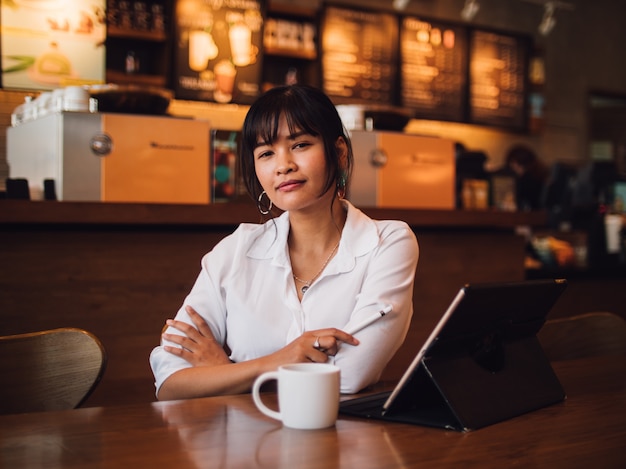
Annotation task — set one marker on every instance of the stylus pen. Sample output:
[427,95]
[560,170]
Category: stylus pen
[373,318]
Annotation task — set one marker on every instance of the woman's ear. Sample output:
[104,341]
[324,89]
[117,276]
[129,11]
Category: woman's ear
[342,151]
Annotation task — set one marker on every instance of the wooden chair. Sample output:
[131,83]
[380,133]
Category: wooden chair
[49,370]
[584,335]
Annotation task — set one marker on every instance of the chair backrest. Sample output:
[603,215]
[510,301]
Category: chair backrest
[49,370]
[584,335]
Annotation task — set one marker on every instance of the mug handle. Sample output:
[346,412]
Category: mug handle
[267,376]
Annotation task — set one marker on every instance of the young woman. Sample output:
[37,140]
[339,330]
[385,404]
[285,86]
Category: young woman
[286,290]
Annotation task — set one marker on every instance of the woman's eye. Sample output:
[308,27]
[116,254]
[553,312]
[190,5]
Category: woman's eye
[263,154]
[301,145]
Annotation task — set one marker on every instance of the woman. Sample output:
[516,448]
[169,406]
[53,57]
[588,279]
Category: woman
[286,290]
[531,177]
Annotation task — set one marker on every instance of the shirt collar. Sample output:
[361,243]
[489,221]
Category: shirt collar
[360,235]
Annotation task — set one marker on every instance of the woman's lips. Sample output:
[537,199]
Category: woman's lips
[289,185]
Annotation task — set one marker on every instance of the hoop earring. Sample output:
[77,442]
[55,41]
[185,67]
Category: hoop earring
[258,205]
[341,186]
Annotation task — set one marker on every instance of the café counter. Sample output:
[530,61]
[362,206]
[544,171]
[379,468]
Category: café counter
[120,270]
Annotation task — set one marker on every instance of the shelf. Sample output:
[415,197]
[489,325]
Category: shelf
[121,78]
[115,32]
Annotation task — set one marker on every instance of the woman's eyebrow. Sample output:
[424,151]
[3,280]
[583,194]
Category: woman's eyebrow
[292,136]
[295,135]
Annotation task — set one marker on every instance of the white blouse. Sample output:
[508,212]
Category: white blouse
[246,293]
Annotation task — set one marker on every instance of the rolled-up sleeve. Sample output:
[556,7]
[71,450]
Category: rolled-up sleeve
[206,300]
[389,280]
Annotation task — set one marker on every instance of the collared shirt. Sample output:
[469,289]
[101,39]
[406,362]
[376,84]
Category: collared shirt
[246,293]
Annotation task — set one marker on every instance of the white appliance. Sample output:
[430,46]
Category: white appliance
[398,170]
[113,157]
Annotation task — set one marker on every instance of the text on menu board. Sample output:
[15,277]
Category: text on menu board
[437,70]
[433,69]
[498,64]
[359,55]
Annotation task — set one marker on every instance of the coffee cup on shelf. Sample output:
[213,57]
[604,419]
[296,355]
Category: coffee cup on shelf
[613,227]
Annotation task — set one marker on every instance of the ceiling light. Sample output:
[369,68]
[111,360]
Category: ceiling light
[470,9]
[400,4]
[548,21]
[549,11]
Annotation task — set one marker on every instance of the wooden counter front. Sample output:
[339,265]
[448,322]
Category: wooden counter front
[119,270]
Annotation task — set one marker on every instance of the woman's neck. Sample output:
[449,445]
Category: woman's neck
[316,232]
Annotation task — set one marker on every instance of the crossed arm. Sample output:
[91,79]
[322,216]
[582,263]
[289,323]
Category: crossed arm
[212,372]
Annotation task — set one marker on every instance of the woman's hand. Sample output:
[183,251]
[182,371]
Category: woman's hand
[312,346]
[327,340]
[199,346]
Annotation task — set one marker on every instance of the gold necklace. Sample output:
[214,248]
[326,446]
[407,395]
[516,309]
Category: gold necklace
[308,283]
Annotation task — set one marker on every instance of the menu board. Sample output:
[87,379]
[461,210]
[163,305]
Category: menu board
[433,69]
[217,50]
[498,64]
[52,44]
[359,55]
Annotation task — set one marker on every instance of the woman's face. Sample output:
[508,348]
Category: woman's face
[517,168]
[292,169]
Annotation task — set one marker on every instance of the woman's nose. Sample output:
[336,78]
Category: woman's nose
[285,163]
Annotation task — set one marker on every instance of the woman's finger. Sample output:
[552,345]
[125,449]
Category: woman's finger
[337,334]
[327,344]
[199,322]
[188,329]
[181,340]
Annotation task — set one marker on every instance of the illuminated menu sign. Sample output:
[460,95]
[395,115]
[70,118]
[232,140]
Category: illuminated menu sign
[436,70]
[359,55]
[498,65]
[218,50]
[48,44]
[433,69]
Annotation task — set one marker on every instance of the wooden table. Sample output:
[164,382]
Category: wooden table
[587,430]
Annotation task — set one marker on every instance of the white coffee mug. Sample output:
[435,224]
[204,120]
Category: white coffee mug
[308,395]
